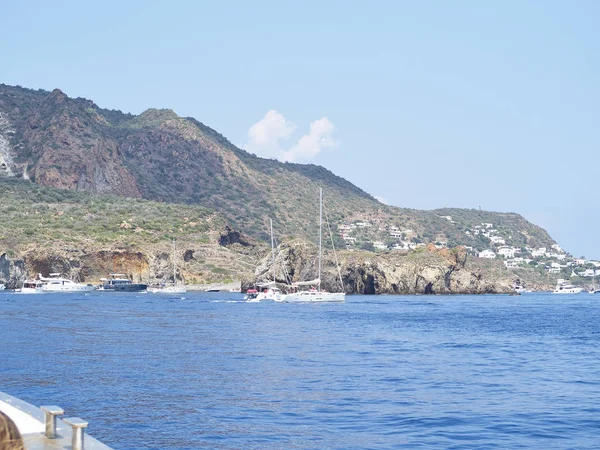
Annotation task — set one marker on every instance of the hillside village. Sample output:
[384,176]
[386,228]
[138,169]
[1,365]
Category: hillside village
[494,244]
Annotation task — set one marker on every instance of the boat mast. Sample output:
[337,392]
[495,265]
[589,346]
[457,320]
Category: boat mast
[273,251]
[320,232]
[174,269]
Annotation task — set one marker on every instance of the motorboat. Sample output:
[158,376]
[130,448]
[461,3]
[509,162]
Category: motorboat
[2,286]
[55,283]
[118,282]
[565,288]
[264,292]
[32,287]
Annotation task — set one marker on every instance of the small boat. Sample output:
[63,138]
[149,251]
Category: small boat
[2,286]
[565,288]
[264,291]
[520,289]
[56,283]
[32,287]
[119,283]
[212,290]
[267,290]
[175,288]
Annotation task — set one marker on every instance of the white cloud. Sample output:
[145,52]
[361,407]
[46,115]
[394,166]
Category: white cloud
[265,135]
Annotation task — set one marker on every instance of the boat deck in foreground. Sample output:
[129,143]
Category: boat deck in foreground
[31,423]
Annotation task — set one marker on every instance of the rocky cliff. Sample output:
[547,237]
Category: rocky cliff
[431,271]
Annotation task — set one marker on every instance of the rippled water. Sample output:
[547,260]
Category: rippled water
[209,371]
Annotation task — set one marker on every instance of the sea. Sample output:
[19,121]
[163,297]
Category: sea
[209,371]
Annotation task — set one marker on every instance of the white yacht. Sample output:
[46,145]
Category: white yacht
[56,283]
[264,291]
[32,287]
[2,286]
[565,288]
[314,293]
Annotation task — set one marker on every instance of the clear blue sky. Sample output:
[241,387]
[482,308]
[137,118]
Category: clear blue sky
[434,104]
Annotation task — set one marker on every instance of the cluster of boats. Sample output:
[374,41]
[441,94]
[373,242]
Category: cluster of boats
[302,291]
[116,283]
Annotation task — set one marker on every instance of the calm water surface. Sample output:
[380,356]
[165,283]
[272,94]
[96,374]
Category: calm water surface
[209,371]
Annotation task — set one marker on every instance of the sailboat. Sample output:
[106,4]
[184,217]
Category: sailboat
[175,288]
[267,290]
[314,293]
[594,290]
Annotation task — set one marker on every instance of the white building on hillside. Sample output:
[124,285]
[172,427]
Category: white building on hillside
[507,252]
[487,254]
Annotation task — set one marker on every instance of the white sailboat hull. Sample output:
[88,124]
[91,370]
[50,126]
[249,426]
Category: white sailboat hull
[315,297]
[169,290]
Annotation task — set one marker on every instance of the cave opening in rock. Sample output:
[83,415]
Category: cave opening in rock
[369,285]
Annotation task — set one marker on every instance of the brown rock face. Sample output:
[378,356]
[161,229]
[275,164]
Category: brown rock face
[69,152]
[443,271]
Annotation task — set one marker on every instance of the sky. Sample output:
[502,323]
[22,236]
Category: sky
[423,104]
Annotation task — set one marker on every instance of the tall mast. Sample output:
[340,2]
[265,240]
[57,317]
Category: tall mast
[174,269]
[273,251]
[320,231]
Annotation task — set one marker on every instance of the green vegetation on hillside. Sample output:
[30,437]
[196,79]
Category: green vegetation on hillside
[32,214]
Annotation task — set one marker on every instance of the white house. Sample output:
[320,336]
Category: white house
[396,234]
[487,254]
[511,264]
[507,252]
[554,270]
[580,261]
[587,273]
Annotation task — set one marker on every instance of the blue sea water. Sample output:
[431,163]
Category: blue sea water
[206,370]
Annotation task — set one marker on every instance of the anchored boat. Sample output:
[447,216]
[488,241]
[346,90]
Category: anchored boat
[56,283]
[119,283]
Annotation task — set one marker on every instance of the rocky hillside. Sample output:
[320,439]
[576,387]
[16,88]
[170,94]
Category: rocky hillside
[73,144]
[86,237]
[425,271]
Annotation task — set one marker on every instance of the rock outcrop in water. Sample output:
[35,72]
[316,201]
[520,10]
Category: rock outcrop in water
[431,271]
